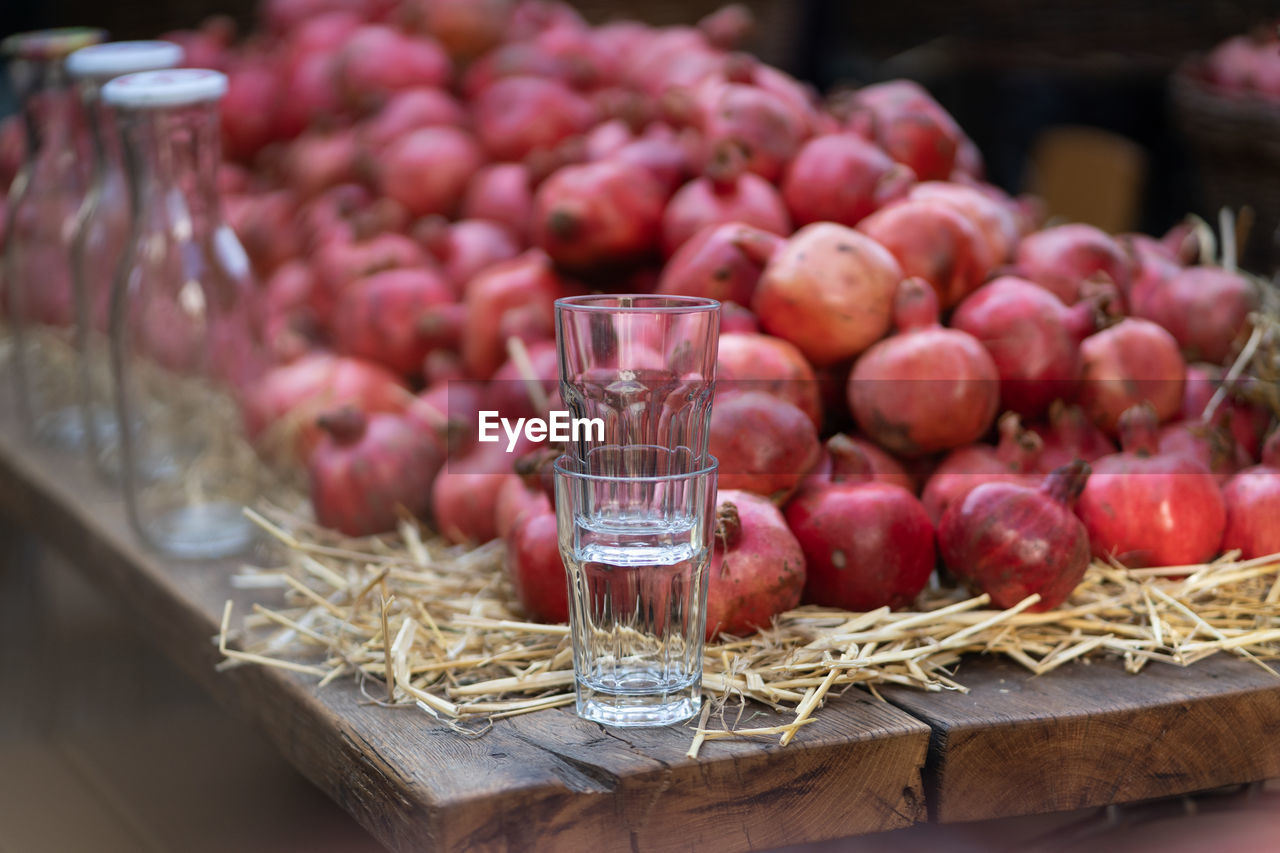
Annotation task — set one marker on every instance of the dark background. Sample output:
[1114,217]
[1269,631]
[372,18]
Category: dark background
[1007,69]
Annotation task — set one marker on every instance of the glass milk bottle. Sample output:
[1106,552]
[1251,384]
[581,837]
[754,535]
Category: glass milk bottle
[102,230]
[184,335]
[43,201]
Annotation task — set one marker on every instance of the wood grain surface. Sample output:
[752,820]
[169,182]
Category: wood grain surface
[1092,734]
[547,781]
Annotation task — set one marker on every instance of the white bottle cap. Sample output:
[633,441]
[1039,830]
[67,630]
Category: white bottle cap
[123,57]
[175,87]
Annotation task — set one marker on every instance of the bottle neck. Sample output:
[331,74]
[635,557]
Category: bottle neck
[50,115]
[104,137]
[171,159]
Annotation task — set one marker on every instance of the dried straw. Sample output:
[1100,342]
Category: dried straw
[438,626]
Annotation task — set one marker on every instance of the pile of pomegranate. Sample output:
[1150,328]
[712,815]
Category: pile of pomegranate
[913,372]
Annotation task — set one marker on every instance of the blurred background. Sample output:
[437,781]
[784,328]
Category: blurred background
[1066,98]
[1069,99]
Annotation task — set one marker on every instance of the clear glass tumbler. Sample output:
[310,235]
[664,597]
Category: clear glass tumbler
[644,365]
[635,527]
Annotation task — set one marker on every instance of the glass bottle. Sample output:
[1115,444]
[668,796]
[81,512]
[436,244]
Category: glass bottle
[43,201]
[184,336]
[101,232]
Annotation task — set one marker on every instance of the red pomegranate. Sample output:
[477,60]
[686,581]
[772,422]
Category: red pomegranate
[865,544]
[1147,508]
[841,177]
[1032,337]
[932,240]
[829,291]
[1070,435]
[757,568]
[502,193]
[427,170]
[1252,500]
[725,194]
[515,297]
[597,216]
[754,362]
[904,120]
[1013,460]
[721,262]
[1059,259]
[765,445]
[368,467]
[395,318]
[1205,309]
[536,570]
[518,115]
[1131,362]
[926,388]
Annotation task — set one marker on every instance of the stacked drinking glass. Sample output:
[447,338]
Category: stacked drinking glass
[635,500]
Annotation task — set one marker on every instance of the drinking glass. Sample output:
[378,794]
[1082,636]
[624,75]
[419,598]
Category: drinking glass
[635,526]
[644,365]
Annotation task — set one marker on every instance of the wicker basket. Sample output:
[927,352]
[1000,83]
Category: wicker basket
[1236,143]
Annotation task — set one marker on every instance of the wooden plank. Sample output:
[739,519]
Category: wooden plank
[1092,734]
[549,781]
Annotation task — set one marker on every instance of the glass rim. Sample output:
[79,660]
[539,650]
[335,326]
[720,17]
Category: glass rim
[669,304]
[712,464]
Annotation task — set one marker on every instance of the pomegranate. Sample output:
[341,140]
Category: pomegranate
[1012,461]
[250,110]
[865,544]
[662,155]
[1252,500]
[265,228]
[904,120]
[313,94]
[1070,435]
[932,240]
[757,567]
[748,362]
[409,110]
[516,386]
[841,177]
[765,445]
[452,406]
[829,291]
[464,28]
[367,467]
[1059,259]
[427,170]
[339,263]
[1032,337]
[721,262]
[281,408]
[395,318]
[317,161]
[466,248]
[1248,422]
[515,296]
[849,458]
[735,318]
[1147,508]
[1011,540]
[1132,362]
[926,388]
[764,125]
[378,61]
[518,115]
[724,194]
[289,328]
[1212,445]
[465,494]
[728,26]
[1205,309]
[535,567]
[597,216]
[992,216]
[515,498]
[502,193]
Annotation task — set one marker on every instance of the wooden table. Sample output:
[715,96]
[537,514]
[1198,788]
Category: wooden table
[1083,735]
